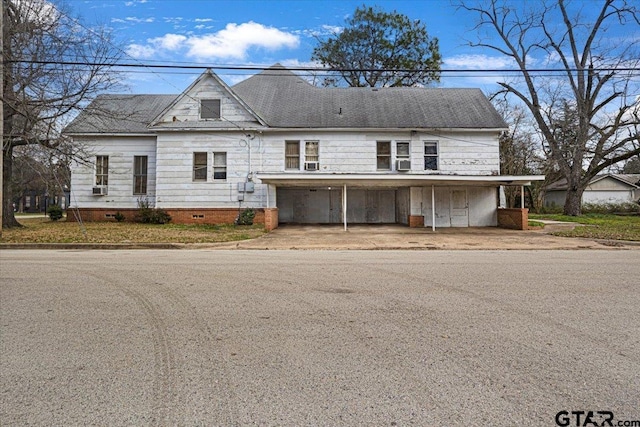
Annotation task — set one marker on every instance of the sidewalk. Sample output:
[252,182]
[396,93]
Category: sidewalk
[376,237]
[379,237]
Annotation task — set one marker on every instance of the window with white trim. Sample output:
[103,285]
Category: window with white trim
[292,155]
[402,150]
[311,155]
[102,170]
[383,155]
[200,166]
[431,155]
[311,151]
[140,174]
[219,166]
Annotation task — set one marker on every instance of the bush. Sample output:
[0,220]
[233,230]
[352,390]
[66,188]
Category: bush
[148,215]
[246,217]
[55,212]
[611,208]
[119,217]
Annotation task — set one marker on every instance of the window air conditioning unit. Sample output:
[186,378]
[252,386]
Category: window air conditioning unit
[403,165]
[99,191]
[311,166]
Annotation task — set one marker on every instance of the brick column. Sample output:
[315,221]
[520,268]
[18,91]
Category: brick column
[416,221]
[513,218]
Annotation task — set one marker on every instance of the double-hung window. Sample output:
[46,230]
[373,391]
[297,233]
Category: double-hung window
[383,155]
[200,166]
[219,165]
[102,170]
[431,155]
[140,174]
[311,155]
[292,155]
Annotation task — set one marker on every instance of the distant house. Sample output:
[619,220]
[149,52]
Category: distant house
[295,153]
[606,188]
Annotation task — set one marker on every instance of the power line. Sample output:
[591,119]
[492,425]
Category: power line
[318,69]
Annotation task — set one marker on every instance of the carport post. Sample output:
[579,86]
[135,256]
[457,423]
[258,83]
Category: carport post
[522,196]
[344,206]
[433,208]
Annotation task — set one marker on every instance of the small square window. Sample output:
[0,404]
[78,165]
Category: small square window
[209,108]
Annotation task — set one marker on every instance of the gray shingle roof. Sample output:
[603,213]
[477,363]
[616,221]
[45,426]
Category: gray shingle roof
[119,114]
[283,99]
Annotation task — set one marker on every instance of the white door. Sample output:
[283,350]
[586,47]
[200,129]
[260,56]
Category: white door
[459,208]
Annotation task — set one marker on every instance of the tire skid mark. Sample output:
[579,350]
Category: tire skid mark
[164,381]
[225,374]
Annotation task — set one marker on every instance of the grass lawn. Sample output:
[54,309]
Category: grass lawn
[38,229]
[598,226]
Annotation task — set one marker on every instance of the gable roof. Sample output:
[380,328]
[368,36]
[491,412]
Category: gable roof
[157,121]
[284,99]
[632,180]
[279,98]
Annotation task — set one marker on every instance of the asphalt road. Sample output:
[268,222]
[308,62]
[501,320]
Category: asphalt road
[204,338]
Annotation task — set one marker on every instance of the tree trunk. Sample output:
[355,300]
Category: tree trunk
[8,217]
[573,201]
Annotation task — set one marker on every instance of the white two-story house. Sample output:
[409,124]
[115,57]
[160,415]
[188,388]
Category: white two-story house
[294,152]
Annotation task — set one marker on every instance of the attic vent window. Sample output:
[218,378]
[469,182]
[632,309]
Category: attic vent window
[209,108]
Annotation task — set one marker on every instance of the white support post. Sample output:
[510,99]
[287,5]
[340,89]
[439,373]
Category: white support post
[433,208]
[268,188]
[344,206]
[522,196]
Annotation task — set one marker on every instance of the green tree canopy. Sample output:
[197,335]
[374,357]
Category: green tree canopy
[378,48]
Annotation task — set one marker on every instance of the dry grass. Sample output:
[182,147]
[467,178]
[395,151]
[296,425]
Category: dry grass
[42,230]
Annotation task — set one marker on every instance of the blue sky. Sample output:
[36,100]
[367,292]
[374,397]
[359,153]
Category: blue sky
[261,33]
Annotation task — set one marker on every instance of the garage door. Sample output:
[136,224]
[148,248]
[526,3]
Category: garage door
[324,206]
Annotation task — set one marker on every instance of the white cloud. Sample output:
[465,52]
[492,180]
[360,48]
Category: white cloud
[235,40]
[139,20]
[478,62]
[168,41]
[140,52]
[203,20]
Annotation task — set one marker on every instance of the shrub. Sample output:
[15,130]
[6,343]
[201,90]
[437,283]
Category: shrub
[55,212]
[119,217]
[610,208]
[246,217]
[148,215]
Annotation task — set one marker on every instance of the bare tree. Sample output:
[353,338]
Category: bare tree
[520,150]
[53,65]
[596,78]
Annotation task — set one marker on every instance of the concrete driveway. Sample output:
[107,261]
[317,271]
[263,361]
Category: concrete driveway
[372,237]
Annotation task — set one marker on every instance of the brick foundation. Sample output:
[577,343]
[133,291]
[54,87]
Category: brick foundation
[268,216]
[514,218]
[416,221]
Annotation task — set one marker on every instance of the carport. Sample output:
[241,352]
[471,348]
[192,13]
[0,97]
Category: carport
[383,198]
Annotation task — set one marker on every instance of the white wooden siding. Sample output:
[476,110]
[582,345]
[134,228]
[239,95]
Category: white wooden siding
[187,109]
[121,152]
